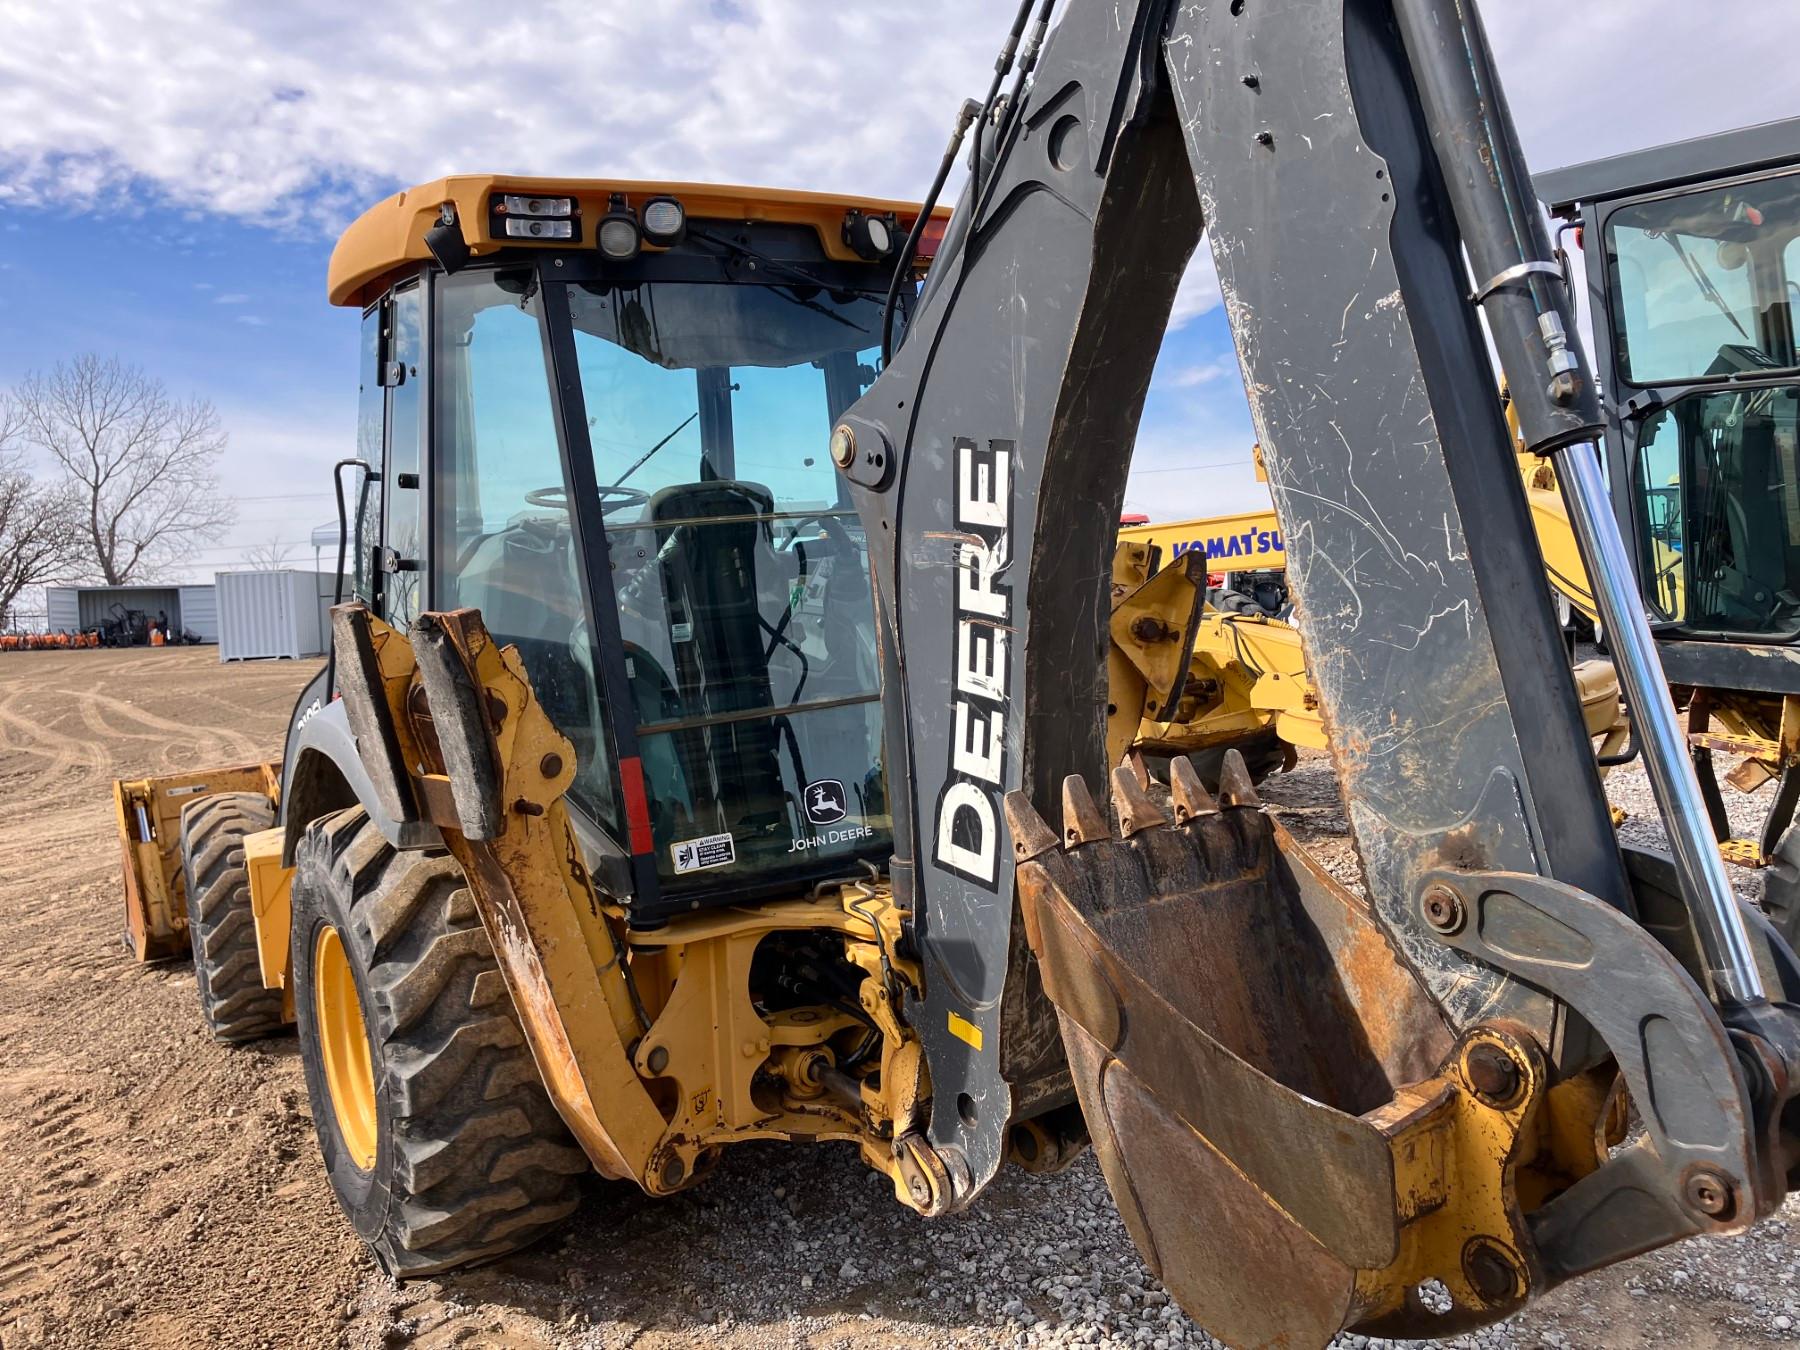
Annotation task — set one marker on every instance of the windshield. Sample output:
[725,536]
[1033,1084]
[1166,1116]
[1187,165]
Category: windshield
[1702,283]
[740,570]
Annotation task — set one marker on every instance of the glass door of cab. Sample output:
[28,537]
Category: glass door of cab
[740,572]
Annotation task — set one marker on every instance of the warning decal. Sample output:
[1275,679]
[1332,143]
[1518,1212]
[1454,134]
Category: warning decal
[696,855]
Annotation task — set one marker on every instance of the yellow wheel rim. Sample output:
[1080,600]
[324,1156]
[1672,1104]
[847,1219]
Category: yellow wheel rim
[344,1046]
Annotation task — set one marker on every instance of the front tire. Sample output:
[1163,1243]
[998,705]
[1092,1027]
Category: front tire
[437,1135]
[221,924]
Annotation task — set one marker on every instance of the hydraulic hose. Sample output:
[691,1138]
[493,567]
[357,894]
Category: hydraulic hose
[909,250]
[968,115]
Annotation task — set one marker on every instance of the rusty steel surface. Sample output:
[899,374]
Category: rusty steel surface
[1247,1044]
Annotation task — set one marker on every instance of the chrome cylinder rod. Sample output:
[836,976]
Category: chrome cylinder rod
[1724,941]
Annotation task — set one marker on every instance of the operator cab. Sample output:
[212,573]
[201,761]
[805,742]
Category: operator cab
[1693,254]
[599,413]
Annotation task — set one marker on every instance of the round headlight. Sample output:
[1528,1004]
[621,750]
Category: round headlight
[618,236]
[664,221]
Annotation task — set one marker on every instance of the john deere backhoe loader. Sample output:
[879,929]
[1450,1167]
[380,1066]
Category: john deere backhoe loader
[625,820]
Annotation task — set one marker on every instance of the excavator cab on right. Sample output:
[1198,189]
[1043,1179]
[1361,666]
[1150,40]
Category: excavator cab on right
[1693,265]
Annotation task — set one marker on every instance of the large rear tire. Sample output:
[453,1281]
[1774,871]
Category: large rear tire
[221,925]
[437,1135]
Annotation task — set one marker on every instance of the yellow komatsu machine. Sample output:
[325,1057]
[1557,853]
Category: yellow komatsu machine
[728,614]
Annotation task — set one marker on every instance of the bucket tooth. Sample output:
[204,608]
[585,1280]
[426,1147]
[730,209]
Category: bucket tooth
[1132,805]
[1235,787]
[1082,821]
[1031,835]
[1189,795]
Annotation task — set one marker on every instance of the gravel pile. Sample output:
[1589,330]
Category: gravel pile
[796,1247]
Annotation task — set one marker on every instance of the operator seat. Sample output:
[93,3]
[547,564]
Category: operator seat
[724,584]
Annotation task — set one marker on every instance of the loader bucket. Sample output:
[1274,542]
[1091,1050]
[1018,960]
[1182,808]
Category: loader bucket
[1271,1093]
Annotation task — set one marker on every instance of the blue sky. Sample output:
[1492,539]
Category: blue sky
[172,174]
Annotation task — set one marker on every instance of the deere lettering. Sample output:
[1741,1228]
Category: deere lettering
[1249,544]
[967,834]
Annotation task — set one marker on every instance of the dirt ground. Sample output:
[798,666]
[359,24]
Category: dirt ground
[161,1190]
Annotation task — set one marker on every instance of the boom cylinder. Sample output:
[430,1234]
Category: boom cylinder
[1530,314]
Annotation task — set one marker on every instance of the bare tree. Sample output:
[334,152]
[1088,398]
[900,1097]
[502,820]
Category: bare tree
[40,524]
[271,555]
[142,465]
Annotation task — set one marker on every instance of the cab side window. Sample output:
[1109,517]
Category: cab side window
[403,547]
[505,538]
[371,431]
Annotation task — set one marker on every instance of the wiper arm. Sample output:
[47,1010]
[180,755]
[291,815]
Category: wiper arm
[644,458]
[1710,291]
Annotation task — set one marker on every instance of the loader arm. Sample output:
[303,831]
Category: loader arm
[1309,1104]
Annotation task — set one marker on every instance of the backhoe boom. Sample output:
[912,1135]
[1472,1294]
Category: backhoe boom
[1342,157]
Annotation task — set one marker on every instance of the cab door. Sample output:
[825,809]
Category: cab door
[389,545]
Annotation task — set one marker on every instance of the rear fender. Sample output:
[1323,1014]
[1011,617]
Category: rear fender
[326,773]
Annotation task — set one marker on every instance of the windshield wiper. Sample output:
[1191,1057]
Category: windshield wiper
[644,458]
[1710,291]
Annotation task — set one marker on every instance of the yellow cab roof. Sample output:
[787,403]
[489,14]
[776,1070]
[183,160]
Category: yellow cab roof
[390,235]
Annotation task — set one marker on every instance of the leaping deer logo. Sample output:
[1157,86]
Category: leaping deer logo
[825,801]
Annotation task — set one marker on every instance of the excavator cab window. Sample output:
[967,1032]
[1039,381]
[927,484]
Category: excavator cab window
[506,544]
[740,570]
[744,679]
[1719,491]
[371,428]
[1701,288]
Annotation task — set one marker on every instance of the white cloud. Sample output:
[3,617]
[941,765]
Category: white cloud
[1199,290]
[1204,372]
[231,298]
[281,112]
[272,112]
[254,320]
[301,115]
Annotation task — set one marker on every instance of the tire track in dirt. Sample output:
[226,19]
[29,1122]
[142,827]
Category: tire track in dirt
[165,1189]
[54,1117]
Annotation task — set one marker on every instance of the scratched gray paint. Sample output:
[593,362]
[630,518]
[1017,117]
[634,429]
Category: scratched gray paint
[1395,627]
[1043,330]
[1007,346]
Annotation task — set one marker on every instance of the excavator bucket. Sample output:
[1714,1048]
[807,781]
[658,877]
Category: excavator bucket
[1275,1100]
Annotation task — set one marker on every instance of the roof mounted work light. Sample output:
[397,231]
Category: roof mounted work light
[664,222]
[618,235]
[519,215]
[870,237]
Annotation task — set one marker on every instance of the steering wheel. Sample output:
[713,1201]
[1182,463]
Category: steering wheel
[611,498]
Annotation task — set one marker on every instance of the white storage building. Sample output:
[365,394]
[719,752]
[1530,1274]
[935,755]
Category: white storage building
[265,615]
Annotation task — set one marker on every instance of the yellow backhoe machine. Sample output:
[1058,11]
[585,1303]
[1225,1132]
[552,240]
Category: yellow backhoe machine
[729,618]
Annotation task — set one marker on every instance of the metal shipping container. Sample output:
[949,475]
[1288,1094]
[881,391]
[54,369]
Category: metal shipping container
[273,614]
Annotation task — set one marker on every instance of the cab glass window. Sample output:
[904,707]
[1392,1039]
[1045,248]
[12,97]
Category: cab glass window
[505,539]
[1701,282]
[1719,512]
[740,571]
[404,546]
[371,430]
